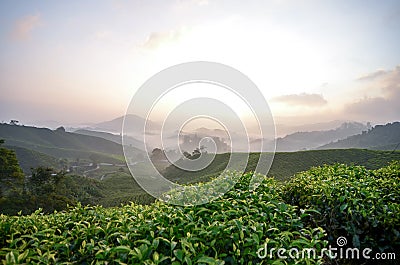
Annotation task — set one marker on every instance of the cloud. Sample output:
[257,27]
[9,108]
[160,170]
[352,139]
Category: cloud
[373,108]
[384,107]
[156,39]
[303,99]
[372,76]
[23,27]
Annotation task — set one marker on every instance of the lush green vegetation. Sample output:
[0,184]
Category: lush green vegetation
[29,159]
[11,174]
[286,164]
[50,190]
[362,205]
[120,188]
[45,188]
[230,229]
[310,211]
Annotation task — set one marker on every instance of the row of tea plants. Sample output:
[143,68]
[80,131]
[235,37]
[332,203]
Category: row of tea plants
[307,212]
[351,201]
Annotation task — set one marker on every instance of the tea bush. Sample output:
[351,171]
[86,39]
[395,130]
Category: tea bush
[362,205]
[228,230]
[313,208]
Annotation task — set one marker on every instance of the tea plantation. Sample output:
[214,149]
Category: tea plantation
[310,211]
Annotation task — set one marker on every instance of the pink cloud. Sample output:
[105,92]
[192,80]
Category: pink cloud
[23,27]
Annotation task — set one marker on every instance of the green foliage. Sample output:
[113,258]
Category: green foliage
[285,164]
[362,205]
[11,175]
[120,188]
[50,190]
[29,159]
[229,230]
[9,167]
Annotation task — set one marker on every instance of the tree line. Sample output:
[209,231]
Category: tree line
[45,188]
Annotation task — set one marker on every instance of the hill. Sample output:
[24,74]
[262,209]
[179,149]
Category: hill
[136,124]
[380,137]
[286,164]
[311,140]
[289,126]
[117,138]
[61,144]
[28,159]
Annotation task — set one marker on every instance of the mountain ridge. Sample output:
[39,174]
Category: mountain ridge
[380,137]
[61,144]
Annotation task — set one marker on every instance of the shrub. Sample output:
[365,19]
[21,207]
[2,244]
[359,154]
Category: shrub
[362,205]
[228,230]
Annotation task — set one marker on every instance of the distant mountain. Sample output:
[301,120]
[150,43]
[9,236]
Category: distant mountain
[61,144]
[202,131]
[134,125]
[283,129]
[117,138]
[296,141]
[380,137]
[314,139]
[310,140]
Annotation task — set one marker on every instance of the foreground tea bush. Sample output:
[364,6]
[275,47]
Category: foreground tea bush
[228,230]
[362,205]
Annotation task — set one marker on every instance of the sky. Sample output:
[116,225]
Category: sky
[79,62]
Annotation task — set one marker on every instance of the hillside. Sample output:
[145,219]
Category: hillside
[62,144]
[28,159]
[117,138]
[135,124]
[310,140]
[334,201]
[286,164]
[380,137]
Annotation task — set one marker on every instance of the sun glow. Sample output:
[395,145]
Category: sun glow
[276,60]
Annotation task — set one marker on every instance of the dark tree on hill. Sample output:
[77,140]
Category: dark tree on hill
[11,175]
[187,155]
[46,188]
[196,153]
[60,129]
[11,179]
[157,154]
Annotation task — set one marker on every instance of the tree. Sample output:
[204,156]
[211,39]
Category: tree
[60,129]
[196,153]
[10,171]
[187,155]
[11,180]
[157,154]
